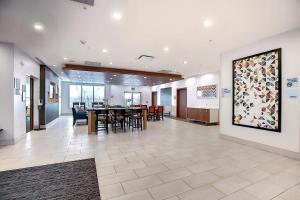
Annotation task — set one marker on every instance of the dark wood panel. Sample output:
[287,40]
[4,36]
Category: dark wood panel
[79,73]
[154,99]
[198,114]
[182,103]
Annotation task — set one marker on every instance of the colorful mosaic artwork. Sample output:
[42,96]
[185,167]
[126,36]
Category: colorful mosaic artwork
[208,91]
[257,91]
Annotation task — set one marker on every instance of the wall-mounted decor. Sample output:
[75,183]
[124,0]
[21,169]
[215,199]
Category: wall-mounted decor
[53,93]
[208,91]
[23,93]
[257,91]
[17,86]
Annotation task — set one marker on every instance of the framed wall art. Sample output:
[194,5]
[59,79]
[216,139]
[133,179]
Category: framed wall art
[257,91]
[208,91]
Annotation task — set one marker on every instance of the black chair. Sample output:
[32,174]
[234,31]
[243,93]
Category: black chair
[79,115]
[102,120]
[118,119]
[136,119]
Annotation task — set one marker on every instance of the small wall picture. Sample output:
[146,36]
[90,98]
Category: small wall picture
[17,86]
[208,91]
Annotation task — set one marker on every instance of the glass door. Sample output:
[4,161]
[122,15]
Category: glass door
[132,98]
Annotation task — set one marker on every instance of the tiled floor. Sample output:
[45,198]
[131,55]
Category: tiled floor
[172,160]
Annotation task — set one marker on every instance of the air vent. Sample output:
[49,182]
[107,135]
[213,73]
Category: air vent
[145,58]
[91,63]
[87,2]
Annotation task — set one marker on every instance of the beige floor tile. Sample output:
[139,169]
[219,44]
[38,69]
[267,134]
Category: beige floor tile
[111,191]
[292,194]
[240,195]
[130,166]
[201,179]
[203,193]
[155,169]
[231,184]
[117,178]
[141,184]
[178,163]
[201,167]
[169,190]
[226,171]
[264,190]
[106,171]
[284,179]
[142,195]
[172,175]
[254,175]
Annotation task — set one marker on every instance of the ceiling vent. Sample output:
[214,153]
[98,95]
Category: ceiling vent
[167,71]
[91,63]
[87,2]
[145,58]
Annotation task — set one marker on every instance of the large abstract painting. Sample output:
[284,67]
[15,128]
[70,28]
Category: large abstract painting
[257,91]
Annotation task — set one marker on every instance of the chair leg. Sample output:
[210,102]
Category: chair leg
[74,122]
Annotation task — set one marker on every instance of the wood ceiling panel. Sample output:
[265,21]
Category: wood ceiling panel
[116,76]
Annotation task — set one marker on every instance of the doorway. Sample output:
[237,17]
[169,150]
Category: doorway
[29,104]
[154,99]
[181,110]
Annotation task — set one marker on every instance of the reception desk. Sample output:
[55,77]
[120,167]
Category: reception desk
[92,116]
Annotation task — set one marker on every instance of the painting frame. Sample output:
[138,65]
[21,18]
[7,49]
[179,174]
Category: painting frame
[279,67]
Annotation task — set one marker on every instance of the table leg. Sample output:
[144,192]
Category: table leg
[145,119]
[92,122]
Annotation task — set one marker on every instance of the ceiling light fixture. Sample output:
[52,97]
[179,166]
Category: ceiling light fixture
[171,79]
[65,58]
[146,67]
[54,65]
[110,63]
[145,77]
[115,75]
[207,23]
[166,49]
[185,62]
[38,27]
[117,16]
[110,78]
[104,50]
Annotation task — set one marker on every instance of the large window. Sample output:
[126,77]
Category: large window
[132,98]
[86,93]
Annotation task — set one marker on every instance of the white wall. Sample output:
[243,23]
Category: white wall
[15,64]
[116,94]
[191,84]
[289,138]
[6,93]
[24,65]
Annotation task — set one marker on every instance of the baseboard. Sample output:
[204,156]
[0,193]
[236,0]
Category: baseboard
[6,142]
[264,147]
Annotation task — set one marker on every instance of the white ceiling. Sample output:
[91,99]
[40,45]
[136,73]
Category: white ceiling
[147,27]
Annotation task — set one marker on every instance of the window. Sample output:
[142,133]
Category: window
[86,93]
[99,93]
[74,94]
[132,98]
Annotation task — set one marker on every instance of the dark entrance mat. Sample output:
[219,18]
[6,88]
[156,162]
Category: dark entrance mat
[69,180]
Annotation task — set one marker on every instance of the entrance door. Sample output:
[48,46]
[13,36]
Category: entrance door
[154,99]
[29,104]
[182,103]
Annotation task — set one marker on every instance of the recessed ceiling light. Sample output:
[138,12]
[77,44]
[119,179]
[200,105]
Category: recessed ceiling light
[145,77]
[38,27]
[110,78]
[54,65]
[166,49]
[185,62]
[207,23]
[171,79]
[104,50]
[110,63]
[115,75]
[65,58]
[117,16]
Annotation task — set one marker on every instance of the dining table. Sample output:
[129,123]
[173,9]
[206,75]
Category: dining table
[92,116]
